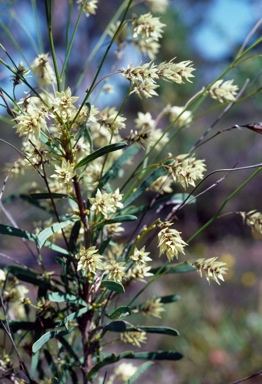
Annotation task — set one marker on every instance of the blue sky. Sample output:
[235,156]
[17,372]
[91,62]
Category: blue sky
[226,25]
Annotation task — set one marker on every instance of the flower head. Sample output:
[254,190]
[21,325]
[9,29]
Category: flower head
[89,6]
[179,114]
[89,260]
[186,169]
[253,219]
[147,26]
[125,371]
[152,307]
[106,203]
[65,173]
[170,241]
[223,90]
[213,269]
[41,68]
[116,270]
[140,256]
[63,104]
[134,338]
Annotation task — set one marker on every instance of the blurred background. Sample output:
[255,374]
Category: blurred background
[220,326]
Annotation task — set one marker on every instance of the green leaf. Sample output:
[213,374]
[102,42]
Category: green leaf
[59,297]
[169,299]
[146,183]
[29,276]
[112,173]
[120,311]
[74,235]
[115,326]
[184,268]
[46,337]
[100,152]
[17,232]
[43,236]
[157,355]
[113,286]
[118,219]
[161,330]
[46,196]
[143,368]
[112,358]
[62,329]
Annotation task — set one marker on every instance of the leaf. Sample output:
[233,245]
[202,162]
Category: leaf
[64,329]
[115,326]
[17,232]
[100,152]
[143,368]
[161,330]
[146,183]
[184,268]
[74,235]
[43,236]
[113,286]
[118,219]
[112,173]
[112,358]
[29,276]
[46,337]
[45,196]
[120,311]
[59,297]
[169,299]
[157,355]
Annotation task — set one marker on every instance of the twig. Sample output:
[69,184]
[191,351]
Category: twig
[259,373]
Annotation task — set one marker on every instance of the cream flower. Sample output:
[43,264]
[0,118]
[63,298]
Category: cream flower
[213,269]
[134,338]
[63,104]
[116,270]
[157,5]
[153,307]
[179,114]
[89,260]
[175,72]
[41,67]
[106,203]
[223,90]
[64,174]
[147,26]
[186,170]
[110,119]
[30,123]
[170,241]
[140,256]
[89,6]
[253,219]
[139,272]
[125,371]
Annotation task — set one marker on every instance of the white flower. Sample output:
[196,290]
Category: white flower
[147,26]
[89,260]
[223,90]
[41,67]
[169,241]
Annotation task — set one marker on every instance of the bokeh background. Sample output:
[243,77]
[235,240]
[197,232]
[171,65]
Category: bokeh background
[220,326]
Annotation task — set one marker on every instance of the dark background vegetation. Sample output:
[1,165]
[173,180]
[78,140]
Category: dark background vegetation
[220,327]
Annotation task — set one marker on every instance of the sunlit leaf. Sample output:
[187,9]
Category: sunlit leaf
[120,311]
[113,286]
[100,152]
[43,235]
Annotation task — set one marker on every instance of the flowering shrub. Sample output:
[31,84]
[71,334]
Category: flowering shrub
[92,186]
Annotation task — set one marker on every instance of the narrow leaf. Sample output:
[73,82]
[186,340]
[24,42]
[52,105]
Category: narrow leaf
[113,286]
[169,299]
[115,326]
[100,152]
[112,173]
[146,183]
[29,275]
[118,219]
[143,368]
[184,268]
[45,338]
[161,330]
[59,297]
[43,236]
[157,355]
[45,196]
[17,232]
[120,311]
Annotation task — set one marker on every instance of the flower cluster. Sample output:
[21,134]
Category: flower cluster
[253,219]
[212,268]
[89,260]
[170,241]
[152,307]
[179,115]
[106,203]
[89,7]
[223,90]
[134,338]
[144,77]
[186,170]
[42,69]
